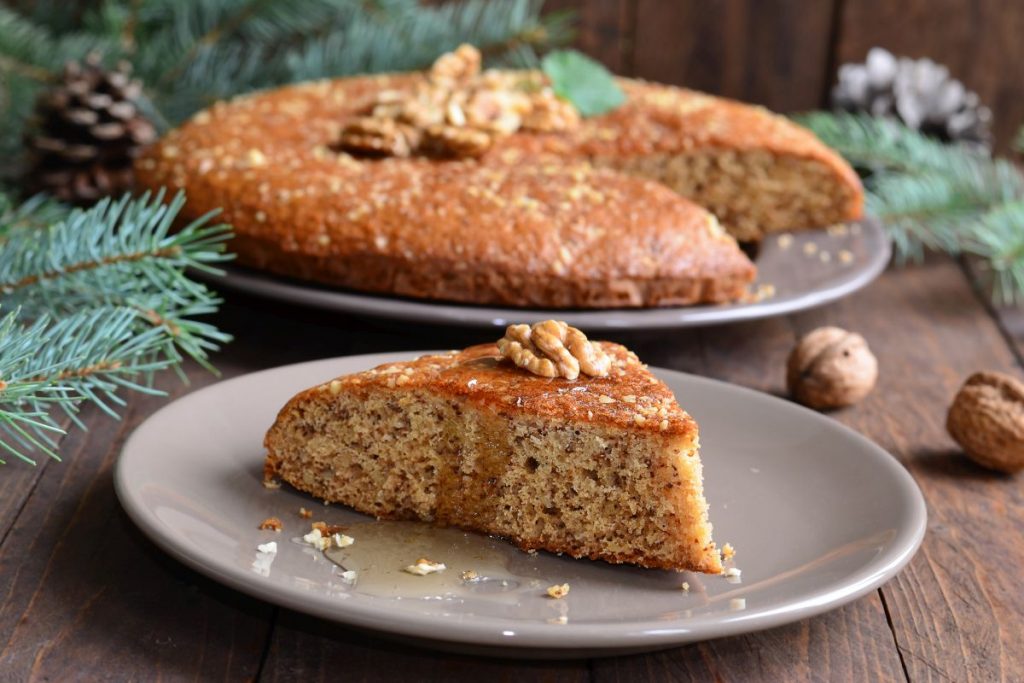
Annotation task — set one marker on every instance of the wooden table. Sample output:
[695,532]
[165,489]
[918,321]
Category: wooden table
[86,596]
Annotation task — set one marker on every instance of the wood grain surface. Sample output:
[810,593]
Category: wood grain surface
[80,584]
[86,597]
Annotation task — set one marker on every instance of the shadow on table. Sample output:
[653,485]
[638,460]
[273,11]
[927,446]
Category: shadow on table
[951,462]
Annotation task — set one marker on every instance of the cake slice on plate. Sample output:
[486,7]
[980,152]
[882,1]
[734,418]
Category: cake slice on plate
[547,439]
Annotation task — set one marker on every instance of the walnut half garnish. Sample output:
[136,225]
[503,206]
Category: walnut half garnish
[553,349]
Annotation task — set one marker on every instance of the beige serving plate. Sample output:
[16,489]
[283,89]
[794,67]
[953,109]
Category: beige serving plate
[818,514]
[796,272]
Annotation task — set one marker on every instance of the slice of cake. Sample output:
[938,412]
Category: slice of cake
[546,439]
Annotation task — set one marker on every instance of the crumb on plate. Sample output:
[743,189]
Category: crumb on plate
[558,591]
[423,566]
[271,524]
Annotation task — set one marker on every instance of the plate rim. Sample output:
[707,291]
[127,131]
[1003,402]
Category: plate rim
[383,306]
[487,632]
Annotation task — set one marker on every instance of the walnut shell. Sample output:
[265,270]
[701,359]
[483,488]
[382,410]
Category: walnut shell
[987,420]
[831,368]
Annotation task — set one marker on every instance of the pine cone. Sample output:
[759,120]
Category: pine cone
[87,131]
[919,92]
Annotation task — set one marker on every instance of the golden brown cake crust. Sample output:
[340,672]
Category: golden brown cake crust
[531,223]
[625,398]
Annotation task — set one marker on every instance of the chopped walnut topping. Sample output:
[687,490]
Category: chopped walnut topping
[378,136]
[558,591]
[452,141]
[549,114]
[271,524]
[454,67]
[553,349]
[457,112]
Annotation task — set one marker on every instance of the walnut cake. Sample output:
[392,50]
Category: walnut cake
[604,466]
[467,185]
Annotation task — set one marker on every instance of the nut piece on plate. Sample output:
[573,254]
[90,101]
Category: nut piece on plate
[831,368]
[987,420]
[553,349]
[557,591]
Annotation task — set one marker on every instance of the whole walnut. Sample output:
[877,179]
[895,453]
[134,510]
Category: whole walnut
[987,420]
[831,368]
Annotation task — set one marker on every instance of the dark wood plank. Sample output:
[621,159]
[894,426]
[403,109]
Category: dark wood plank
[957,611]
[851,643]
[978,40]
[305,649]
[82,588]
[604,29]
[17,480]
[772,52]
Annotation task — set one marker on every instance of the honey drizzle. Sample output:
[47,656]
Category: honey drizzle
[470,478]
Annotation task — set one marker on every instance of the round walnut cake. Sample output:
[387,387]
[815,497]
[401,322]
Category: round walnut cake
[483,187]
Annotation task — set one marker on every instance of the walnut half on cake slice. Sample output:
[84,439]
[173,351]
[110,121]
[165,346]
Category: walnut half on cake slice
[498,439]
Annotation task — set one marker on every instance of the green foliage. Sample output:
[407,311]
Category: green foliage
[189,54]
[96,301]
[932,195]
[586,83]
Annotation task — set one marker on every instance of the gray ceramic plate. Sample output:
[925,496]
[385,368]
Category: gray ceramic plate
[818,515]
[805,269]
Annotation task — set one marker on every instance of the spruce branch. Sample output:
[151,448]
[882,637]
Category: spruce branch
[932,195]
[117,252]
[50,365]
[97,302]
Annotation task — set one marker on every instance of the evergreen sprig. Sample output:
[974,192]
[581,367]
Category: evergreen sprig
[96,302]
[933,195]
